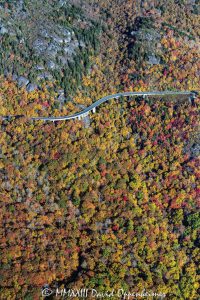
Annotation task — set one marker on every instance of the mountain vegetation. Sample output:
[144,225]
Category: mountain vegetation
[110,201]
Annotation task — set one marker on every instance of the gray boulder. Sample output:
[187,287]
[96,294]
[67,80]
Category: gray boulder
[63,60]
[153,60]
[3,30]
[62,2]
[31,87]
[67,39]
[66,32]
[39,67]
[14,77]
[69,50]
[133,33]
[44,33]
[61,98]
[51,64]
[22,81]
[82,44]
[61,92]
[40,45]
[58,39]
[45,75]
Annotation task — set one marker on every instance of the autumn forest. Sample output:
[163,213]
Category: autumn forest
[110,201]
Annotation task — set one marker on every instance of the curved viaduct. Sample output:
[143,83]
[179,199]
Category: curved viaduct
[93,106]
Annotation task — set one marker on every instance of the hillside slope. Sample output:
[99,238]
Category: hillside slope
[109,202]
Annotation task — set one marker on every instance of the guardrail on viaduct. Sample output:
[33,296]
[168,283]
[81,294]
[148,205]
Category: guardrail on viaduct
[92,107]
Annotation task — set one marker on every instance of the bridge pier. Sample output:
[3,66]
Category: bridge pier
[191,95]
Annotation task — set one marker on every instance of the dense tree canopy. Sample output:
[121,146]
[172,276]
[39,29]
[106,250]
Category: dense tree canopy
[110,201]
[117,200]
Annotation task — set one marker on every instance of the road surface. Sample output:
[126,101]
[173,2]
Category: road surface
[93,106]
